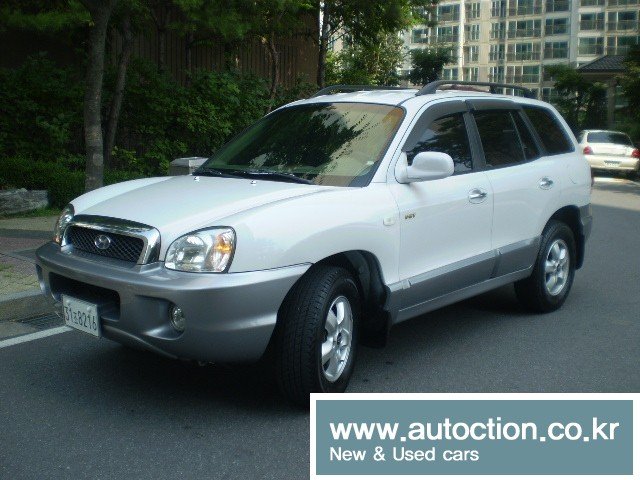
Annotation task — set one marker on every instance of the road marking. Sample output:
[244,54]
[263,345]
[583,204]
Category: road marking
[33,336]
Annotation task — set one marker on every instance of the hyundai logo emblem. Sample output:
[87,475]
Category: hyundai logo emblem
[102,241]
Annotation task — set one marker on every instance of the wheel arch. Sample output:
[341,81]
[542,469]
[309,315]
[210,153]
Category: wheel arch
[366,269]
[570,216]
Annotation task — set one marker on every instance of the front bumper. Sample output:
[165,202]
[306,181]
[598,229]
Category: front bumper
[613,162]
[230,317]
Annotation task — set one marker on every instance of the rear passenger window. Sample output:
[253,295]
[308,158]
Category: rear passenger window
[551,132]
[499,138]
[528,144]
[447,135]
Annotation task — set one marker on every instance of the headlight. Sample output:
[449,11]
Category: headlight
[204,251]
[65,217]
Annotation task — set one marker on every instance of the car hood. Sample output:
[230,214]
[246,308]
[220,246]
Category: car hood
[178,205]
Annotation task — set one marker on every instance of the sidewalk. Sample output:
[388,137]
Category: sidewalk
[21,301]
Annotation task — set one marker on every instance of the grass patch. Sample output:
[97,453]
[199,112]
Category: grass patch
[41,212]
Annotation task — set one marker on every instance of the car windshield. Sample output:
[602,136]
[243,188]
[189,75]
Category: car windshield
[335,144]
[609,137]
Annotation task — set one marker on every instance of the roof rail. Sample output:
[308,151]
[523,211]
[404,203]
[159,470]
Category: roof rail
[433,87]
[354,88]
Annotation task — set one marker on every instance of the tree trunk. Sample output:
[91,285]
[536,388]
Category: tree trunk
[188,57]
[274,62]
[324,44]
[100,13]
[118,93]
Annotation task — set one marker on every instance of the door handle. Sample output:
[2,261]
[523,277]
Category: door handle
[477,195]
[545,183]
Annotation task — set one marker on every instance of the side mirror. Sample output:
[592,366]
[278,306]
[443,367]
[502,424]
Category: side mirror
[425,166]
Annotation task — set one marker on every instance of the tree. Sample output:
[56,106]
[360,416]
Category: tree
[427,63]
[100,11]
[367,63]
[630,82]
[582,100]
[365,21]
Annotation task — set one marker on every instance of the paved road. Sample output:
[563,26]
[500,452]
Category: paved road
[72,407]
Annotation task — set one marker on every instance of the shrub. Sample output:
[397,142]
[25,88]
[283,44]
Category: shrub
[63,184]
[40,110]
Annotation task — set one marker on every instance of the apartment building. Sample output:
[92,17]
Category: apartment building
[512,41]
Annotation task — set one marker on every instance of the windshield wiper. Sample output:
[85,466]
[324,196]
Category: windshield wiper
[212,172]
[287,177]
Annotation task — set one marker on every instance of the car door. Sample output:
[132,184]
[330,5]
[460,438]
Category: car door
[525,182]
[445,224]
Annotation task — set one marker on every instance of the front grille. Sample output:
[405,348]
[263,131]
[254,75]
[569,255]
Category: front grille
[121,247]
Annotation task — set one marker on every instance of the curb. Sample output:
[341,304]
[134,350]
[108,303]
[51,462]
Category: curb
[18,306]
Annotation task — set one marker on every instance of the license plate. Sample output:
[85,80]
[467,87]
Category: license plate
[612,162]
[81,315]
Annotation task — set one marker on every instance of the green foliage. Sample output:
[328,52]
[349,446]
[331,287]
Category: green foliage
[630,81]
[427,63]
[47,16]
[582,103]
[367,63]
[40,109]
[63,184]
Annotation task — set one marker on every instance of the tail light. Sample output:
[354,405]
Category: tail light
[635,153]
[587,150]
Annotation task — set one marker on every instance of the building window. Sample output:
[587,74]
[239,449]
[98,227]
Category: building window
[472,10]
[448,13]
[471,54]
[497,30]
[550,95]
[496,74]
[472,32]
[591,3]
[524,28]
[496,52]
[525,7]
[591,46]
[623,20]
[622,45]
[523,74]
[450,74]
[447,34]
[419,35]
[557,6]
[523,51]
[556,50]
[592,21]
[471,74]
[499,8]
[556,26]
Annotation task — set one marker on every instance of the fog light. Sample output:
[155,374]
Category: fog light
[178,320]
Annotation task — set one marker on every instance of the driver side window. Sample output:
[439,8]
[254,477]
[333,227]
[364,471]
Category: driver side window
[448,135]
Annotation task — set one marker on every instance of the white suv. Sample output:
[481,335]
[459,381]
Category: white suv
[324,224]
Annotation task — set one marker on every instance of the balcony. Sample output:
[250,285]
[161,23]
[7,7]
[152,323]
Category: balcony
[591,24]
[525,10]
[556,53]
[523,78]
[496,56]
[591,3]
[524,33]
[623,3]
[622,25]
[452,38]
[499,12]
[619,50]
[556,29]
[590,49]
[558,6]
[522,56]
[498,35]
[496,78]
[448,17]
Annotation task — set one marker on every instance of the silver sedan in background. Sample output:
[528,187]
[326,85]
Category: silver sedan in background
[608,150]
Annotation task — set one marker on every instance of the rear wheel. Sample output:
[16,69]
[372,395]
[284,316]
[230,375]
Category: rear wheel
[317,334]
[547,287]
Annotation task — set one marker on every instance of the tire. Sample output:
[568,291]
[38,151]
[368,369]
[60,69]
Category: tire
[304,327]
[538,293]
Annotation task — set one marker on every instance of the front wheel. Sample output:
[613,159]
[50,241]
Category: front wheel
[317,334]
[550,282]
